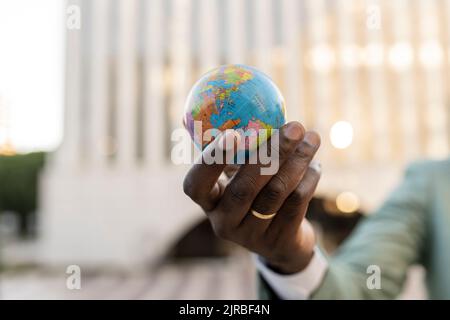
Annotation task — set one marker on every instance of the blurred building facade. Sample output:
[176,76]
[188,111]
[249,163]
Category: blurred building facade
[111,194]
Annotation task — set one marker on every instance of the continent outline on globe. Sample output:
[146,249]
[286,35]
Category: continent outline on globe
[234,96]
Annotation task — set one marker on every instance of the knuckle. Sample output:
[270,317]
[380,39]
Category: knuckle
[221,225]
[188,187]
[277,187]
[222,231]
[243,188]
[315,175]
[297,197]
[285,147]
[317,137]
[305,151]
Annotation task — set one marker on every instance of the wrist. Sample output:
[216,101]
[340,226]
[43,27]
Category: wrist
[294,264]
[299,257]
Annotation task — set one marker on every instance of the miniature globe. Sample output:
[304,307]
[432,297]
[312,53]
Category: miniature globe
[233,97]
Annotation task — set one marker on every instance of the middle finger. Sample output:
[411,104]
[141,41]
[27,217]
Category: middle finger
[272,196]
[248,181]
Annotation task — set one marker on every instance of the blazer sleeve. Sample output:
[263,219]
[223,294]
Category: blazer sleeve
[388,241]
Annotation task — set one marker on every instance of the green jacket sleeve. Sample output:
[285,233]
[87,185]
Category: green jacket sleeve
[391,239]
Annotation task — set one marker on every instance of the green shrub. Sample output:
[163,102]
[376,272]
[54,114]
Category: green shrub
[19,185]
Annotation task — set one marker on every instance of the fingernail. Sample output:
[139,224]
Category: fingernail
[294,131]
[312,139]
[316,165]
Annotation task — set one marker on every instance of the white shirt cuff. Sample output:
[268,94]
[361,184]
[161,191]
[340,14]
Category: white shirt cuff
[297,286]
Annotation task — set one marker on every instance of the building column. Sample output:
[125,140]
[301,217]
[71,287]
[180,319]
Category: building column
[99,74]
[431,57]
[68,154]
[126,84]
[374,53]
[405,101]
[263,26]
[209,36]
[292,58]
[154,127]
[236,32]
[322,61]
[347,52]
[180,58]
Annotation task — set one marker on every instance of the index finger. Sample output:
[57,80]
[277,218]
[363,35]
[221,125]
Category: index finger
[200,183]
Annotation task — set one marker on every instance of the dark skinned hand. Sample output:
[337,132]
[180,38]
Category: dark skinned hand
[285,241]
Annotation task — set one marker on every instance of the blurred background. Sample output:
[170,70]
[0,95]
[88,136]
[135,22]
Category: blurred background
[90,91]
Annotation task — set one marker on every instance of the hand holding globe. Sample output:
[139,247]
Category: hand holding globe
[263,213]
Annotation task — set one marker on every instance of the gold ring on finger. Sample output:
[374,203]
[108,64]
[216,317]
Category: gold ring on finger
[262,216]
